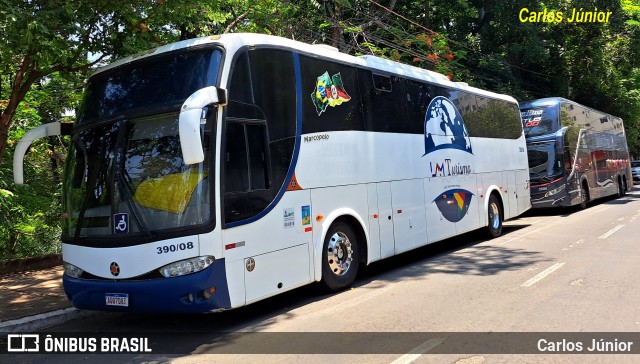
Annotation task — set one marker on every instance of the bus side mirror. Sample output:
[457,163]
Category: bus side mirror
[190,119]
[46,130]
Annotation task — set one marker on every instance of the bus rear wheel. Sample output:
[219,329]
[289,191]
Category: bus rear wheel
[494,217]
[584,196]
[340,257]
[620,187]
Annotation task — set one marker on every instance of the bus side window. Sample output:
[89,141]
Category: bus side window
[418,97]
[385,103]
[240,88]
[331,99]
[487,117]
[258,163]
[236,168]
[260,131]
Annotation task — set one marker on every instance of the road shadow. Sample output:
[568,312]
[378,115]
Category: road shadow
[462,255]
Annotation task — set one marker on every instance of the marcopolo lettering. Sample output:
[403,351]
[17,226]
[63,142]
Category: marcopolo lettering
[317,137]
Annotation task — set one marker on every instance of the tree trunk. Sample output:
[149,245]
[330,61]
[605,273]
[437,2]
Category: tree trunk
[24,78]
[4,132]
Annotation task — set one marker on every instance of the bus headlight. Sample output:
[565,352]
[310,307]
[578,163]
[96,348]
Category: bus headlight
[71,270]
[555,191]
[186,266]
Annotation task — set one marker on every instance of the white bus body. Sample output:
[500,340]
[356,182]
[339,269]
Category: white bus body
[311,162]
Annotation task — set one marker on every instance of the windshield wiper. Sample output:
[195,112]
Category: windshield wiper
[90,185]
[140,219]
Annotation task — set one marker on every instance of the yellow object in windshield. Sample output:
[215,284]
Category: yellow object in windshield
[169,193]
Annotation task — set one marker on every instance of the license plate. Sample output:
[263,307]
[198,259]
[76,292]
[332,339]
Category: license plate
[117,299]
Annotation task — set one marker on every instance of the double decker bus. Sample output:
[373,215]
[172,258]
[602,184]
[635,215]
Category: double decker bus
[576,154]
[212,173]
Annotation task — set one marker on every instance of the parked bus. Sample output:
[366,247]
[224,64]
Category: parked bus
[576,154]
[212,173]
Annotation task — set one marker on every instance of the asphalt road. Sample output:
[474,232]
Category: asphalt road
[568,271]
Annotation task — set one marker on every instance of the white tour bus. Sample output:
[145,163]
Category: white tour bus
[212,173]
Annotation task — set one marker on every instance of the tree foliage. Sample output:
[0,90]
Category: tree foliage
[48,48]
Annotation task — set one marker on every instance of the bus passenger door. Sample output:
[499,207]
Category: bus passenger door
[385,219]
[409,214]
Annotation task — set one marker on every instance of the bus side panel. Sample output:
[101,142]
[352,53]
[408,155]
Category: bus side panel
[523,192]
[509,192]
[491,181]
[235,283]
[470,214]
[374,226]
[439,227]
[270,255]
[409,214]
[276,272]
[385,220]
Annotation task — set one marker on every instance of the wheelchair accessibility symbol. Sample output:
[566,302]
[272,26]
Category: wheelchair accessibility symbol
[120,223]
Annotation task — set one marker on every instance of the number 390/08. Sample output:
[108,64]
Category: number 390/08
[174,247]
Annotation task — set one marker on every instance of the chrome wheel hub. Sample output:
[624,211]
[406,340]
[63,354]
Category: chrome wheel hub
[339,253]
[495,216]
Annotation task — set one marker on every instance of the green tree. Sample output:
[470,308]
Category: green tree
[42,37]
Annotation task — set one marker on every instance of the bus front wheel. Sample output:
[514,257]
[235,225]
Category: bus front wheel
[495,217]
[340,257]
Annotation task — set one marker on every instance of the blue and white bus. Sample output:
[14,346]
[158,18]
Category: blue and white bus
[576,154]
[212,173]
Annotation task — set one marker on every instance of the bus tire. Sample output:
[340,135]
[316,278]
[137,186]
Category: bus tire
[340,257]
[620,187]
[584,196]
[494,215]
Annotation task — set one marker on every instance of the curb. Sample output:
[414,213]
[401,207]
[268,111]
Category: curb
[45,320]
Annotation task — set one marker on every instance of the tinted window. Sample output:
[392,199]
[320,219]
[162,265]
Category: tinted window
[382,82]
[274,89]
[384,101]
[164,81]
[240,88]
[418,97]
[260,134]
[256,144]
[236,168]
[331,99]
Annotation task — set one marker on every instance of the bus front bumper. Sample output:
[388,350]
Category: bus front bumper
[189,293]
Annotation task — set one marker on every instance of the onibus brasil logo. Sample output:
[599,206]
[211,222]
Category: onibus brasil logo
[444,130]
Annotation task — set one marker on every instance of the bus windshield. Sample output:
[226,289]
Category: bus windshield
[539,121]
[161,82]
[545,164]
[126,176]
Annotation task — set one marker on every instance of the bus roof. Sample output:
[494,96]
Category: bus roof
[233,42]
